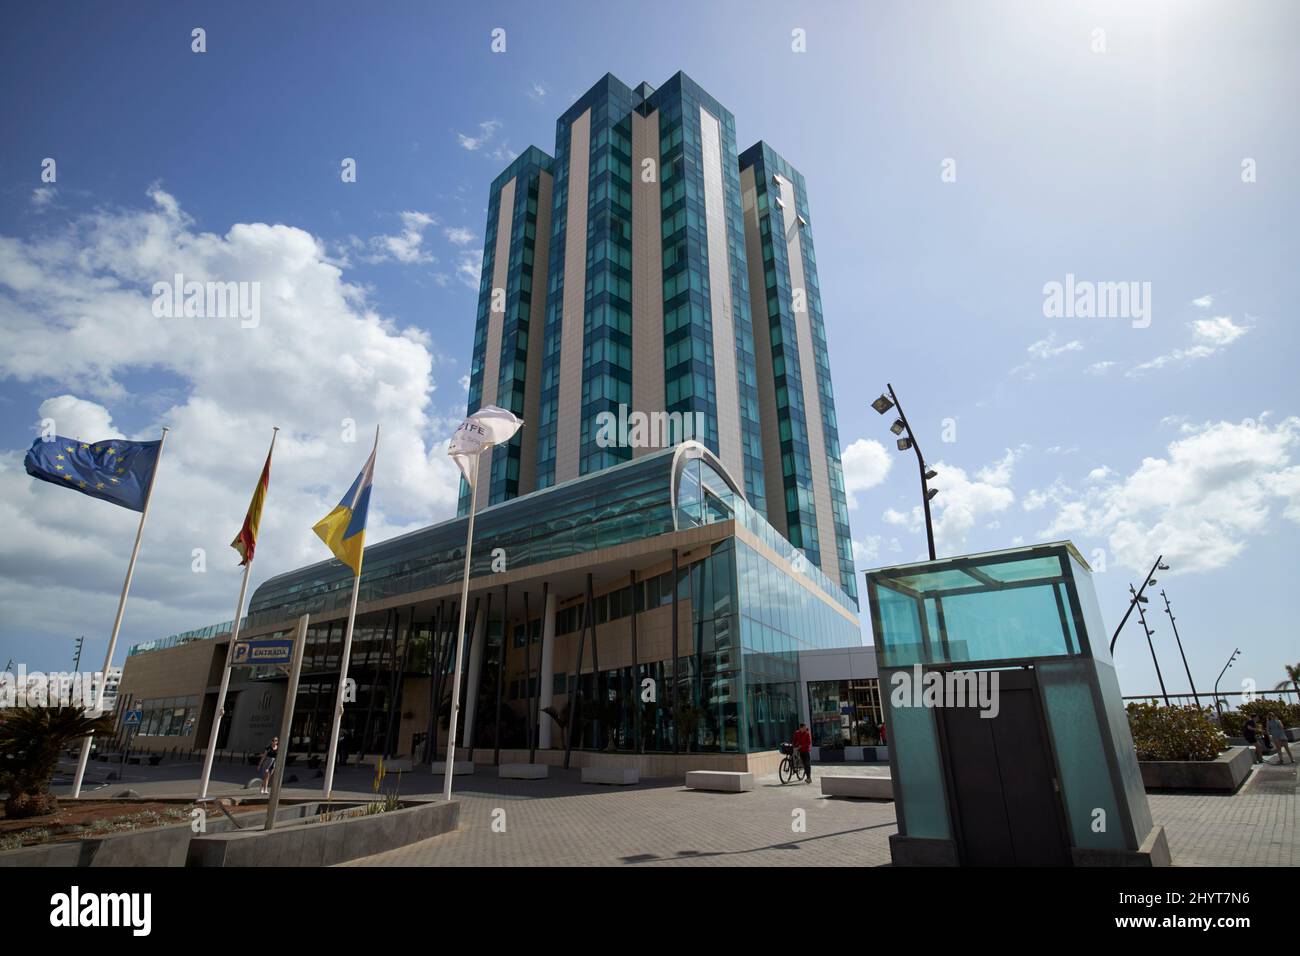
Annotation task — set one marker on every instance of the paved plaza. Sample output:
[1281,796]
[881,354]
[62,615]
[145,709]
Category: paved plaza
[562,822]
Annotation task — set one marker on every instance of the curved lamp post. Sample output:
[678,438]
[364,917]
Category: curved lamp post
[883,404]
[1133,601]
[1219,710]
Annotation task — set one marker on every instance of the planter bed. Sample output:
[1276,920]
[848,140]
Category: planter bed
[165,845]
[1224,774]
[317,842]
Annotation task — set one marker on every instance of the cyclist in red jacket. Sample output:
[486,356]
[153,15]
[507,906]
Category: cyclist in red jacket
[803,744]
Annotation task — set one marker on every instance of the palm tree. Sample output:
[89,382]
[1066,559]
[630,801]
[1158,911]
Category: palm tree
[31,739]
[1292,678]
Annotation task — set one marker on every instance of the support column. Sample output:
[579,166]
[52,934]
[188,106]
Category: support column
[546,680]
[472,678]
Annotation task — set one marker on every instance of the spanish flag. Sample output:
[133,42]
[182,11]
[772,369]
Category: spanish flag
[344,528]
[246,541]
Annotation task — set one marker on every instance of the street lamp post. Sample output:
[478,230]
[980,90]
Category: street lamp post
[1196,698]
[1139,600]
[1134,600]
[883,404]
[1217,709]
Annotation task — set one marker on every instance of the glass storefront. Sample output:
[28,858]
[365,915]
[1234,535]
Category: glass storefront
[845,713]
[167,717]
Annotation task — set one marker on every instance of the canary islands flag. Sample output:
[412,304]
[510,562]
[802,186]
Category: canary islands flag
[114,470]
[344,528]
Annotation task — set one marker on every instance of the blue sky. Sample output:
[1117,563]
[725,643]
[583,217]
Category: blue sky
[1112,156]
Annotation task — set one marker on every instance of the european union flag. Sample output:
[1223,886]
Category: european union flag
[115,470]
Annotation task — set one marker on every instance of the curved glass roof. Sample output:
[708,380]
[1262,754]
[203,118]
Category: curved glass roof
[655,494]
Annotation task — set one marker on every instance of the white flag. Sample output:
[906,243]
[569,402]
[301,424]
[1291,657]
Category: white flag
[487,427]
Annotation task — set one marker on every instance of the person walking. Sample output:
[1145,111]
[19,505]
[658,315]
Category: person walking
[803,746]
[1253,738]
[267,765]
[1278,733]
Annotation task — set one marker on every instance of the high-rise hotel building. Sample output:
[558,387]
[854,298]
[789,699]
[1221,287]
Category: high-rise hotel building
[648,267]
[653,591]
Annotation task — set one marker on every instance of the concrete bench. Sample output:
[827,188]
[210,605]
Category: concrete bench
[524,771]
[460,768]
[614,776]
[870,788]
[732,781]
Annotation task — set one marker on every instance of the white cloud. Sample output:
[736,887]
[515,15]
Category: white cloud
[76,316]
[486,131]
[1209,336]
[1047,348]
[1198,505]
[1100,474]
[469,268]
[963,502]
[74,417]
[867,551]
[1042,351]
[42,196]
[1204,301]
[866,464]
[537,92]
[1099,368]
[1217,332]
[408,246]
[458,236]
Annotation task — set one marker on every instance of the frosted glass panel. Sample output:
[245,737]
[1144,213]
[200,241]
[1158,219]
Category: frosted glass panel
[1095,628]
[1085,774]
[914,747]
[1122,738]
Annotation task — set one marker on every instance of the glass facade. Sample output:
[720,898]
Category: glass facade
[701,219]
[752,607]
[186,637]
[524,277]
[790,367]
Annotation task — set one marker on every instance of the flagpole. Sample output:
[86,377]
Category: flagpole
[450,763]
[230,653]
[343,669]
[117,621]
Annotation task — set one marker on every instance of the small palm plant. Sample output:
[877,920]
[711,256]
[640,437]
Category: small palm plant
[31,739]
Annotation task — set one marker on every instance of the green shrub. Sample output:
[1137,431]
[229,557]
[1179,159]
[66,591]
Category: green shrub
[1260,708]
[1174,733]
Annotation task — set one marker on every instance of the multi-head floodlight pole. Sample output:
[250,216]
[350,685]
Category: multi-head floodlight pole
[1133,601]
[920,464]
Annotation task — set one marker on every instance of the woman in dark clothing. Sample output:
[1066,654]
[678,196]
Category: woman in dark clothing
[267,766]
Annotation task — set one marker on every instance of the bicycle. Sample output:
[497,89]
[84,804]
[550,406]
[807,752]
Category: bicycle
[791,765]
